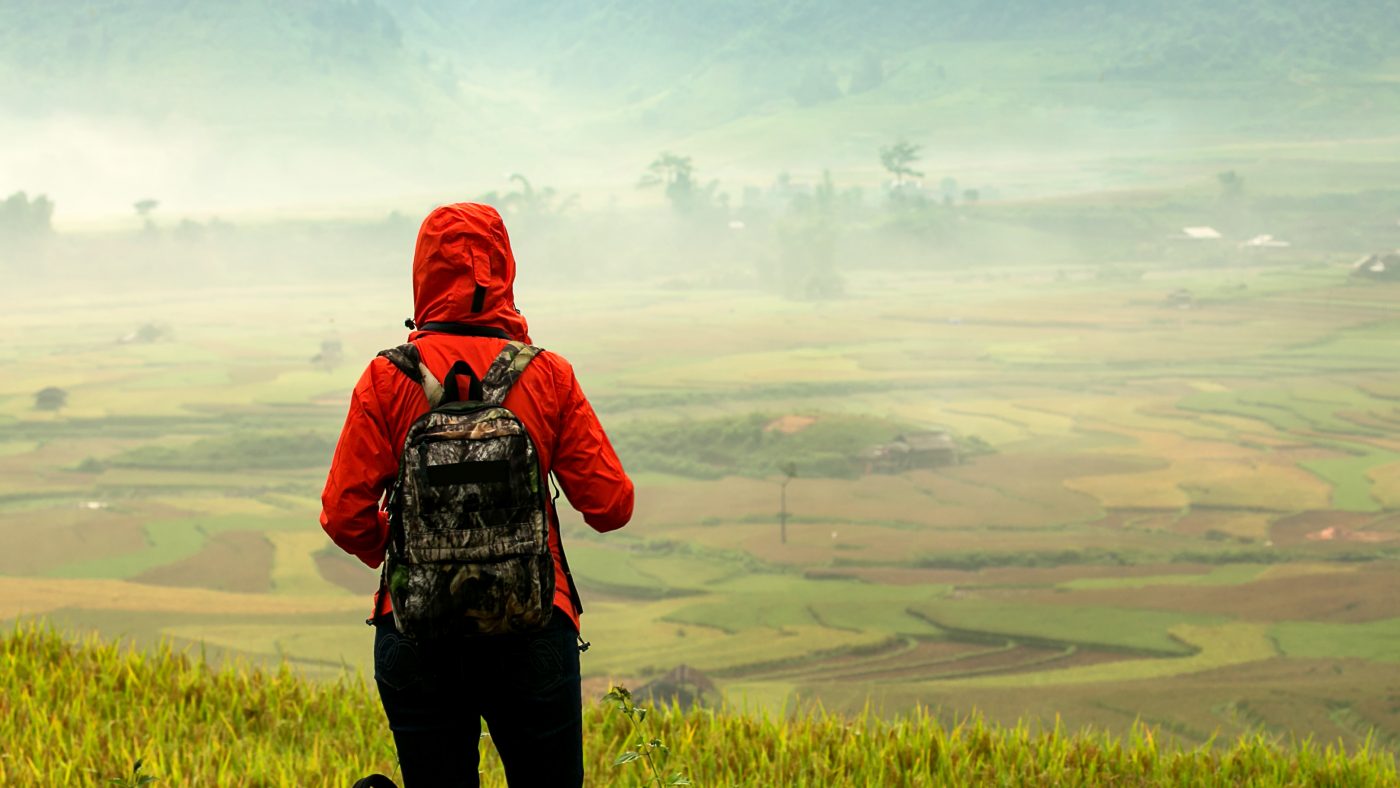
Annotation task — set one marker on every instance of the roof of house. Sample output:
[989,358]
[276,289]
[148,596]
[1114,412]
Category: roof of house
[1201,233]
[927,441]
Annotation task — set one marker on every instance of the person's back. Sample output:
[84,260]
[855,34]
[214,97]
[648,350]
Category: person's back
[526,686]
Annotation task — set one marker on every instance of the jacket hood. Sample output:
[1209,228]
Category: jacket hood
[464,272]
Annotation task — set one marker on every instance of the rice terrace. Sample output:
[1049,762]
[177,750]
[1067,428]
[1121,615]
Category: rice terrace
[1195,508]
[1011,390]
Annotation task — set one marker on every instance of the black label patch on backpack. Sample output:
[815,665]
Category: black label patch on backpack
[469,525]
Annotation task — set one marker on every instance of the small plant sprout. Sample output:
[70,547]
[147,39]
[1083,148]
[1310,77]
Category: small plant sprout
[136,778]
[649,748]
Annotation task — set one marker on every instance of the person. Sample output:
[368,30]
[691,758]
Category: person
[525,686]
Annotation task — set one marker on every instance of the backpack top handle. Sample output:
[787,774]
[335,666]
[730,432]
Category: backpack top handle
[449,388]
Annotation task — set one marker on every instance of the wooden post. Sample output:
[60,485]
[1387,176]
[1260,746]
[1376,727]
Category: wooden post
[782,511]
[789,473]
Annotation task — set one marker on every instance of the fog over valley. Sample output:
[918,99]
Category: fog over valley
[1036,359]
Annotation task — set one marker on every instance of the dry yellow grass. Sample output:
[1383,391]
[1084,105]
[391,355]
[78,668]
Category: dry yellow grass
[294,571]
[34,596]
[1385,485]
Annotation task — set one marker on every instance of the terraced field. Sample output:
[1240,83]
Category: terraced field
[1184,516]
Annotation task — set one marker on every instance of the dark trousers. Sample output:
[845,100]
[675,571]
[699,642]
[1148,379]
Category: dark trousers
[526,687]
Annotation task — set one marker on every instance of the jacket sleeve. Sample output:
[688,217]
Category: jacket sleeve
[587,466]
[362,469]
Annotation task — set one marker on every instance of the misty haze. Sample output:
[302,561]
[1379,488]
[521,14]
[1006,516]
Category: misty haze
[1031,360]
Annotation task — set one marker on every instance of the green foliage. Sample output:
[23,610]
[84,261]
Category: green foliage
[66,707]
[1231,184]
[649,749]
[831,447]
[899,159]
[236,451]
[134,780]
[676,176]
[50,398]
[22,217]
[984,559]
[535,207]
[808,236]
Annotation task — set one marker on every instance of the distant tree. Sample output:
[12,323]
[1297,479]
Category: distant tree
[332,353]
[189,231]
[22,217]
[971,195]
[869,74]
[1231,184]
[949,188]
[676,175]
[145,334]
[899,159]
[808,237]
[529,202]
[50,398]
[144,209]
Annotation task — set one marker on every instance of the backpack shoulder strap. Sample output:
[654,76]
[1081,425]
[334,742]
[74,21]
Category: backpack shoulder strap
[505,370]
[410,363]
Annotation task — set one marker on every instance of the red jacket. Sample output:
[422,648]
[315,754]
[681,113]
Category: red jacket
[463,272]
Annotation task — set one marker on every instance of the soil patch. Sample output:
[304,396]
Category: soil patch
[1368,593]
[54,537]
[790,424]
[230,561]
[1295,529]
[347,572]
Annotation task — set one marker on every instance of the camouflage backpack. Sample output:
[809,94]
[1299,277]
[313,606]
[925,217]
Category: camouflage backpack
[468,546]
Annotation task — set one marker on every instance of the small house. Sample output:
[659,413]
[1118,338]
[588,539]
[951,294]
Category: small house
[1265,242]
[1382,266]
[1200,233]
[930,449]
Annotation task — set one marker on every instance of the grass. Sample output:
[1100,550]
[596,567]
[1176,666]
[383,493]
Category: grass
[1228,575]
[1110,627]
[1373,640]
[1353,489]
[831,446]
[1215,646]
[642,637]
[82,713]
[237,451]
[775,602]
[168,541]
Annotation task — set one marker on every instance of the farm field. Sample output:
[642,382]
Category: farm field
[1184,516]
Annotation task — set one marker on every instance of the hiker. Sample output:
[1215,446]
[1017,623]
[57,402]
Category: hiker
[437,687]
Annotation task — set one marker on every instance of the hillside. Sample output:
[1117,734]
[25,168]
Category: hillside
[627,48]
[81,713]
[332,100]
